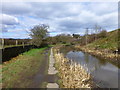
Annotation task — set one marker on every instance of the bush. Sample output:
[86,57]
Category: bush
[102,34]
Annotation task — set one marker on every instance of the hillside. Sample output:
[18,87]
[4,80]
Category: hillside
[110,42]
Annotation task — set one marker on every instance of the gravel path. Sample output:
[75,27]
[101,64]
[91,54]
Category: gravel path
[52,70]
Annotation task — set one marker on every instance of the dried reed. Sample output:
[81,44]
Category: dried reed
[72,75]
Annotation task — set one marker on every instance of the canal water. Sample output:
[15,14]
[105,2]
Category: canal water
[105,74]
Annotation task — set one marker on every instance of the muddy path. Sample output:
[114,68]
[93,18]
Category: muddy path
[42,76]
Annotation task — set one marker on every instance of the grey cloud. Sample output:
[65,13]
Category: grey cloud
[49,10]
[102,8]
[16,8]
[41,10]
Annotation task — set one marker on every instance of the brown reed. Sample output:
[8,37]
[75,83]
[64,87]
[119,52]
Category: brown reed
[73,75]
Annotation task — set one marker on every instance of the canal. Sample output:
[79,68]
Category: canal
[105,74]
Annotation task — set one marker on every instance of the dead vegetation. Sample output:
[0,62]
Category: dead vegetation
[72,75]
[113,57]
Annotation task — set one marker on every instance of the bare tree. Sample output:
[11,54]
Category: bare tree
[97,29]
[38,33]
[86,35]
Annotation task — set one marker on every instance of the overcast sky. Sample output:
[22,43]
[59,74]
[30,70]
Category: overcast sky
[65,17]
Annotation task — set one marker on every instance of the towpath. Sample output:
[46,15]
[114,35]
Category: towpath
[52,71]
[46,77]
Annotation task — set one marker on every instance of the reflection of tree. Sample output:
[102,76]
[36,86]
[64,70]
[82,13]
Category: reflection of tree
[102,61]
[86,57]
[66,49]
[97,65]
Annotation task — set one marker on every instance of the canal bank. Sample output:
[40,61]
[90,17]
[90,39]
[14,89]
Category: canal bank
[103,54]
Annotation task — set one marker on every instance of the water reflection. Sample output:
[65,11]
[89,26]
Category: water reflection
[105,74]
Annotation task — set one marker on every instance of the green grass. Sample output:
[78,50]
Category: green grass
[17,69]
[34,51]
[110,42]
[44,84]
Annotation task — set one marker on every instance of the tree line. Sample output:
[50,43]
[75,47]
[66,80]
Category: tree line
[40,36]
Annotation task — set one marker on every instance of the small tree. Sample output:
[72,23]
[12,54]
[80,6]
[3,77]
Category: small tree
[102,34]
[97,30]
[39,33]
[76,36]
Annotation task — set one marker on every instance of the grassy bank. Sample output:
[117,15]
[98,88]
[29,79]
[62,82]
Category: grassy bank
[108,43]
[16,73]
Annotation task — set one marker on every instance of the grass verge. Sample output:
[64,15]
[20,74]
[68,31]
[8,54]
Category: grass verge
[44,84]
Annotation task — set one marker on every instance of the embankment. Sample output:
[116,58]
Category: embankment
[10,52]
[106,47]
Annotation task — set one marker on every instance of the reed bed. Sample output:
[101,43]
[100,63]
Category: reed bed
[72,75]
[106,55]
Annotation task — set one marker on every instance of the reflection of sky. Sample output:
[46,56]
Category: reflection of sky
[100,69]
[90,61]
[84,60]
[110,67]
[106,78]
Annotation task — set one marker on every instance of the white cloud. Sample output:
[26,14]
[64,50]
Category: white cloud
[61,17]
[8,20]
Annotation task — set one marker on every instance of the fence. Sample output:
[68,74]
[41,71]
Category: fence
[10,52]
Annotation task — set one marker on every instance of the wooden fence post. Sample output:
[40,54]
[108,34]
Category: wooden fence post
[23,44]
[3,42]
[16,42]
